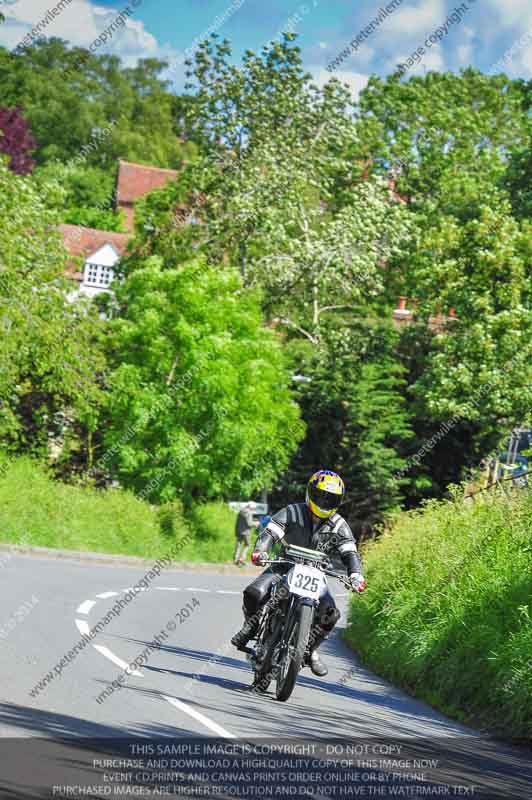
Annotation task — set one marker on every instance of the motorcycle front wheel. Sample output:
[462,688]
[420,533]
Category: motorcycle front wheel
[294,652]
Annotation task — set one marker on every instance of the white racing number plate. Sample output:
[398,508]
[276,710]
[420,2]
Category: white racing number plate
[306,581]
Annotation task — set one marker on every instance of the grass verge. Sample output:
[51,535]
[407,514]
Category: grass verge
[37,510]
[448,610]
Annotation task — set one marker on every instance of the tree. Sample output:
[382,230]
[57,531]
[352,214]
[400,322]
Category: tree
[357,420]
[439,123]
[517,180]
[279,193]
[87,196]
[199,405]
[16,140]
[70,95]
[478,366]
[49,346]
[311,251]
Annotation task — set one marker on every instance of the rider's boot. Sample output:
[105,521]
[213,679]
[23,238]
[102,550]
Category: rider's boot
[312,659]
[317,666]
[246,632]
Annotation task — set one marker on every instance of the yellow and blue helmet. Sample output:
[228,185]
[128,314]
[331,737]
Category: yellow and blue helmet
[325,492]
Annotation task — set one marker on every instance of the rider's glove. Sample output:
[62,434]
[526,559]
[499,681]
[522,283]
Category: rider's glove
[357,581]
[258,557]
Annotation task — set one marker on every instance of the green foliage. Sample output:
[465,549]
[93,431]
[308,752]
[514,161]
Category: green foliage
[212,520]
[69,94]
[278,192]
[82,184]
[213,525]
[518,180]
[48,352]
[479,366]
[439,123]
[39,511]
[283,203]
[198,402]
[104,220]
[87,195]
[447,611]
[357,420]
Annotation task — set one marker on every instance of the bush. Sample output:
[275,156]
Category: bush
[213,526]
[447,613]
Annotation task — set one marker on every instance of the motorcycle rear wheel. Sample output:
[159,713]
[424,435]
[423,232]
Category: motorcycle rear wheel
[264,673]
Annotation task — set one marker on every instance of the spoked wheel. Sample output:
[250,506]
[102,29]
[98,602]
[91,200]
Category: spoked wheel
[294,652]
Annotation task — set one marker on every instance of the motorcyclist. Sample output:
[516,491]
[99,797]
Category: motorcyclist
[316,525]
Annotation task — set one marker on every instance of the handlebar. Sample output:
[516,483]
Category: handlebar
[327,572]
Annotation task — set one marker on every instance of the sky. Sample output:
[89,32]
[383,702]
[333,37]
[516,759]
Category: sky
[491,35]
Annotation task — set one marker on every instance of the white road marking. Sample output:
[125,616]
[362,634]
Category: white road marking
[213,726]
[132,589]
[83,628]
[86,607]
[168,588]
[118,661]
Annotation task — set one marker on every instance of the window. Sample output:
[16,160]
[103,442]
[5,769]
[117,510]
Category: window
[98,275]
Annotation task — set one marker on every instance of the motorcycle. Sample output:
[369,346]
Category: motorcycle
[285,628]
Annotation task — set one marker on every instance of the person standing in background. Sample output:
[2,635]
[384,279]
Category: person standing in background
[244,524]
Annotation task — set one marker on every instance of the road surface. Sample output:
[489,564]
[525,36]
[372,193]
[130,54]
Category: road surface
[188,683]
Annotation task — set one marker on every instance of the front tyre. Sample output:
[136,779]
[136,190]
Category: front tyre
[296,647]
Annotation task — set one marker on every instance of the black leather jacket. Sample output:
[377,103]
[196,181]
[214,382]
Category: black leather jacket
[295,525]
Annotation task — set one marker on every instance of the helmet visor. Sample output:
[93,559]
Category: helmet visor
[328,501]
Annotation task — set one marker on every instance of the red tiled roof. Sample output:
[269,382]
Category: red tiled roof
[83,242]
[136,180]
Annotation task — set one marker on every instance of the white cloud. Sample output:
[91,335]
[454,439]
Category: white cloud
[413,21]
[433,59]
[511,14]
[81,23]
[355,80]
[463,55]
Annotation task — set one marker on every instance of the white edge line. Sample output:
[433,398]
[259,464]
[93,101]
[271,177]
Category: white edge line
[213,726]
[105,595]
[167,589]
[194,589]
[83,628]
[225,591]
[86,607]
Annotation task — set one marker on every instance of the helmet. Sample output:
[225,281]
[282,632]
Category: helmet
[325,492]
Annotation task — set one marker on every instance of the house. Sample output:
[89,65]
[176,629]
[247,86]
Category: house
[99,251]
[133,182]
